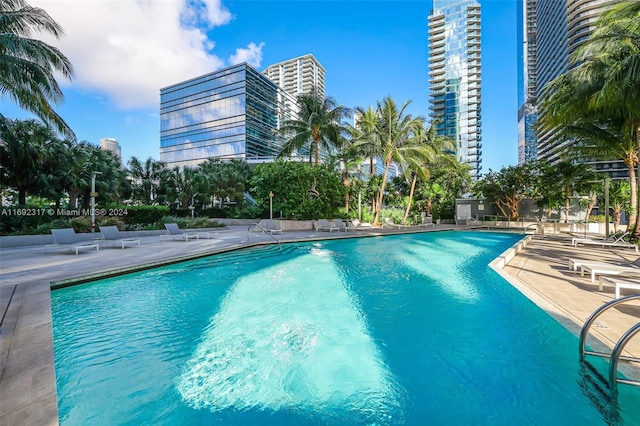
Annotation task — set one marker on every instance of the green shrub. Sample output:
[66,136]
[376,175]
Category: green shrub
[134,216]
[247,211]
[81,224]
[111,221]
[46,228]
[23,219]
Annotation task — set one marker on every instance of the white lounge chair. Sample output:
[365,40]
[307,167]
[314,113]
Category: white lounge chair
[174,231]
[342,226]
[359,226]
[620,283]
[576,264]
[612,269]
[67,238]
[427,221]
[604,243]
[112,233]
[271,227]
[389,222]
[324,225]
[612,238]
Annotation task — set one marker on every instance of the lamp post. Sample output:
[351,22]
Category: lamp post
[93,194]
[270,204]
[606,206]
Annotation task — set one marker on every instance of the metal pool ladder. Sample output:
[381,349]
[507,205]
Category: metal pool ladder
[616,354]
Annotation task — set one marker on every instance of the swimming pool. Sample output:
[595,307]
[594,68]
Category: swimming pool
[406,329]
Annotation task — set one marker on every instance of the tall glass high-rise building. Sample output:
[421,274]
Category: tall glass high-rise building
[455,76]
[527,82]
[227,114]
[561,27]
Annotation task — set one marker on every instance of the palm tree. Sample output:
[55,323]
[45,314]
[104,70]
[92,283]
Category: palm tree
[368,142]
[365,136]
[27,65]
[619,200]
[76,174]
[146,178]
[395,129]
[24,147]
[318,125]
[428,192]
[225,180]
[601,93]
[348,159]
[424,150]
[182,185]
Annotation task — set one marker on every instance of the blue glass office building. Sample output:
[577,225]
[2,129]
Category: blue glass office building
[232,113]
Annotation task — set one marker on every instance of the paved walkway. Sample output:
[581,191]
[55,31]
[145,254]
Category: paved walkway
[27,375]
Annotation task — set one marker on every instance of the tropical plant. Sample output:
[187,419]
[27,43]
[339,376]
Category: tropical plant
[145,179]
[28,65]
[566,180]
[424,150]
[394,128]
[367,140]
[318,125]
[365,137]
[509,186]
[618,200]
[427,194]
[24,148]
[300,190]
[181,184]
[225,180]
[348,160]
[455,180]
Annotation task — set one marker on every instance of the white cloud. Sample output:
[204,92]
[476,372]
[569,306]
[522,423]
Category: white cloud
[251,55]
[128,50]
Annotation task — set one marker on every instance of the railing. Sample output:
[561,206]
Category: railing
[522,220]
[536,227]
[616,354]
[264,231]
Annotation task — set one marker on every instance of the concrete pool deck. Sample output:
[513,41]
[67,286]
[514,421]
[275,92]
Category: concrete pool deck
[27,376]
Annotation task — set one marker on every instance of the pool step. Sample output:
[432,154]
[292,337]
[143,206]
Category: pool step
[243,255]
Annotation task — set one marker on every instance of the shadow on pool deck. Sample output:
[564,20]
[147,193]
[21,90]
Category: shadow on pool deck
[27,381]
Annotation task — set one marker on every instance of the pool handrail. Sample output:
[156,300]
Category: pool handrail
[255,224]
[616,354]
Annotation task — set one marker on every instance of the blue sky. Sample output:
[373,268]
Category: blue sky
[124,51]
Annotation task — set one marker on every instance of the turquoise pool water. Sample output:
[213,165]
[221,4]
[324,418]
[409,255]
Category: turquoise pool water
[408,329]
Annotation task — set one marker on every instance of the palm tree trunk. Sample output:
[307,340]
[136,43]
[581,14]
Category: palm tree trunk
[387,162]
[22,197]
[316,154]
[590,206]
[413,187]
[345,182]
